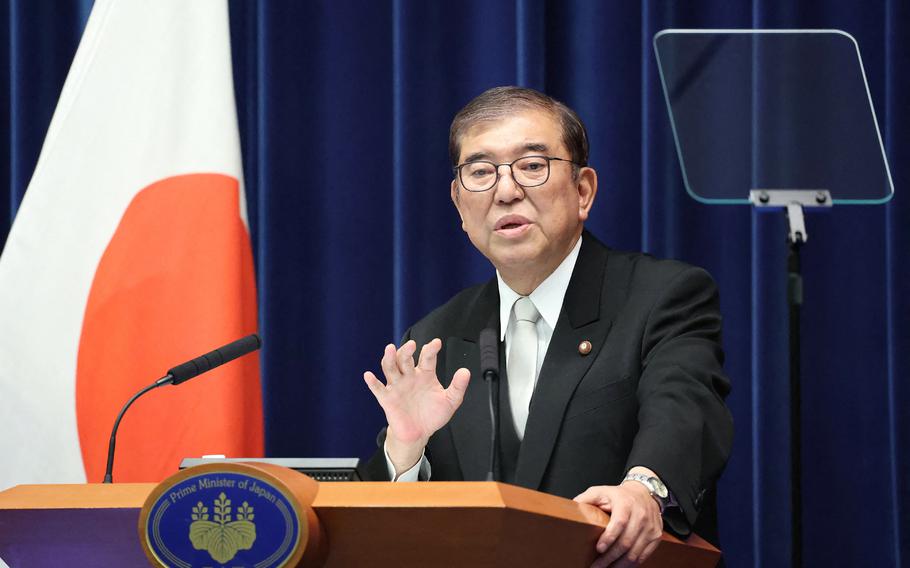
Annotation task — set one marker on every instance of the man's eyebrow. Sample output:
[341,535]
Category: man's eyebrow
[536,147]
[529,147]
[477,156]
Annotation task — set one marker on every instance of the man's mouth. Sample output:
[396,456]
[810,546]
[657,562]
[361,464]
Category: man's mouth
[511,225]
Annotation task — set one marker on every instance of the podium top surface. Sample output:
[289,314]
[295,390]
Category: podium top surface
[76,496]
[364,494]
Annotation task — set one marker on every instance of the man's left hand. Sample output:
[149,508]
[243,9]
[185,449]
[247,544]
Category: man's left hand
[635,526]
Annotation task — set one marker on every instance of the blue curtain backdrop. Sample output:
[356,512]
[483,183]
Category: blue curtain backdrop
[344,108]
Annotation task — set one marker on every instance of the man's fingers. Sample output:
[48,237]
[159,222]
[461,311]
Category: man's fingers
[405,357]
[458,386]
[649,550]
[651,537]
[614,529]
[389,364]
[374,384]
[633,556]
[635,536]
[427,361]
[618,549]
[596,496]
[642,550]
[619,520]
[638,554]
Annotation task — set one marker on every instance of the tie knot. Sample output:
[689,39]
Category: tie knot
[525,310]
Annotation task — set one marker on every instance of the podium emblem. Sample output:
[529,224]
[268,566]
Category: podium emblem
[222,537]
[220,516]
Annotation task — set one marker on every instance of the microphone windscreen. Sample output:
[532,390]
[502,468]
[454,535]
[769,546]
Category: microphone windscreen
[240,347]
[489,351]
[215,358]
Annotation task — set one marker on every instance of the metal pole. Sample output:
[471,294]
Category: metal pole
[793,202]
[795,300]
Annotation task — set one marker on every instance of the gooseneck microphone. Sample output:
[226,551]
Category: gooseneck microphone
[182,373]
[489,369]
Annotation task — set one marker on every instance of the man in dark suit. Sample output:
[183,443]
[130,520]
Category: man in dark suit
[613,385]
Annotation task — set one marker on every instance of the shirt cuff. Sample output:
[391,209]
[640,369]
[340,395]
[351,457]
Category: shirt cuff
[419,472]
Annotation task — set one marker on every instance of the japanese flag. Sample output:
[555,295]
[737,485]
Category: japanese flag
[130,254]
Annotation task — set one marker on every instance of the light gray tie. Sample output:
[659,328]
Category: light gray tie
[522,363]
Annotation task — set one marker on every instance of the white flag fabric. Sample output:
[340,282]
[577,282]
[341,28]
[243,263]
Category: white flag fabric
[130,254]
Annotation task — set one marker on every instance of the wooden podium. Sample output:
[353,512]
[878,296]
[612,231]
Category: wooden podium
[363,523]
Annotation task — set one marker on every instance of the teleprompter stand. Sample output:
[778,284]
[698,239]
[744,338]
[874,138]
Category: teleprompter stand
[791,109]
[793,202]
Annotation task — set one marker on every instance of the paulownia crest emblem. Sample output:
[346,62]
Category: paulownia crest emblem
[222,537]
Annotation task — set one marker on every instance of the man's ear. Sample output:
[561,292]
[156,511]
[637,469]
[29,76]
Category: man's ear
[587,191]
[455,195]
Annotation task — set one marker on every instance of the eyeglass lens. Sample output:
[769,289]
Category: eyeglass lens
[528,171]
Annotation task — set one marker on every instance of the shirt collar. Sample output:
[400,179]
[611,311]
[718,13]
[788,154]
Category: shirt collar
[547,297]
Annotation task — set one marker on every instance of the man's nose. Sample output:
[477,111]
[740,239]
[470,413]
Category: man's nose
[507,189]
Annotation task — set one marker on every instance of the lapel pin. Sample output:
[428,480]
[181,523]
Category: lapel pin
[584,347]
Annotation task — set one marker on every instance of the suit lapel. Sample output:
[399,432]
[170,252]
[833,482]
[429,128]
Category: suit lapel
[471,425]
[563,368]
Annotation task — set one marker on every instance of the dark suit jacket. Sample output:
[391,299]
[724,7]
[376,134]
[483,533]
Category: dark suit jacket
[649,393]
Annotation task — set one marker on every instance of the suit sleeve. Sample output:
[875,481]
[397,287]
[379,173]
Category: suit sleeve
[685,429]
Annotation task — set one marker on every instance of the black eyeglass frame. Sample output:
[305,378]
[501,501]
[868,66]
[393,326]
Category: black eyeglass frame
[457,171]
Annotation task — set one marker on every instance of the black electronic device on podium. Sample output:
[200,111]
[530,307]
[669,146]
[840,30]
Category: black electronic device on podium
[776,120]
[320,469]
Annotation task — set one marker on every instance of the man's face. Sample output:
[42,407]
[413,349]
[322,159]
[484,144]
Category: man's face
[523,230]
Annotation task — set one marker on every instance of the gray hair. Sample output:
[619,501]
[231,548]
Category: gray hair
[500,102]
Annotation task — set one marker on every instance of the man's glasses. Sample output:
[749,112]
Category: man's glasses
[527,171]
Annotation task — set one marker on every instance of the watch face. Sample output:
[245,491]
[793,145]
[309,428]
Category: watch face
[659,488]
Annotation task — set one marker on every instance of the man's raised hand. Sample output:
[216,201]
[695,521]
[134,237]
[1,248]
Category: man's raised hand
[414,401]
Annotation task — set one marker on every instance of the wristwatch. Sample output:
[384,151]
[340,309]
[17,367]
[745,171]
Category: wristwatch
[655,486]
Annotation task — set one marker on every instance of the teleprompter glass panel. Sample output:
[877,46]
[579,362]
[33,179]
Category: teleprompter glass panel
[772,109]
